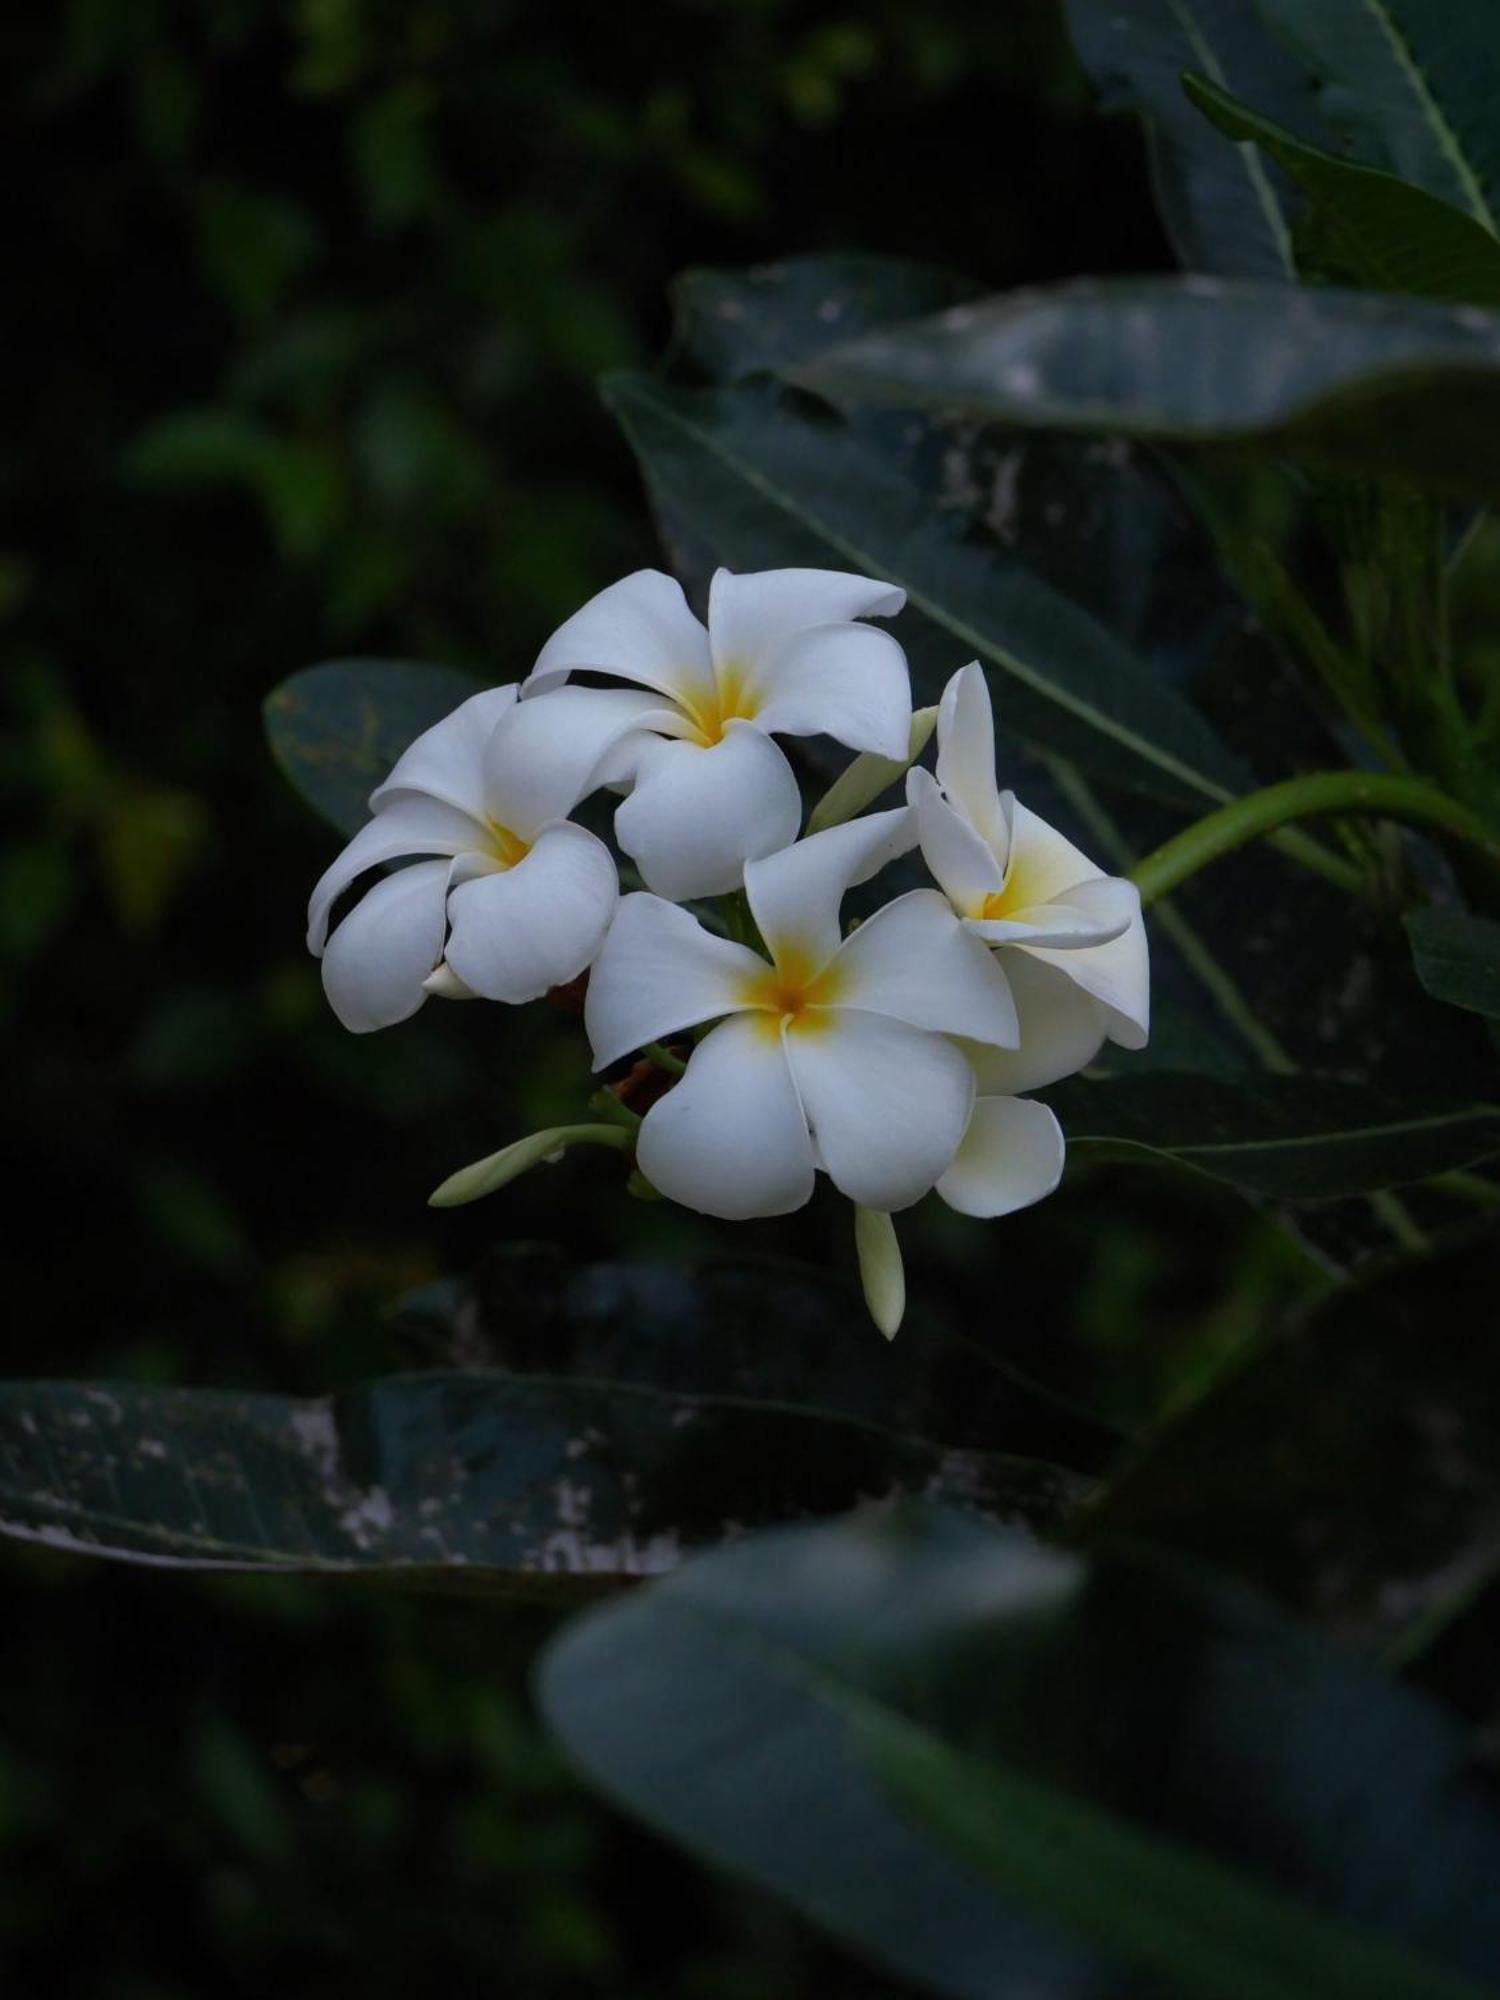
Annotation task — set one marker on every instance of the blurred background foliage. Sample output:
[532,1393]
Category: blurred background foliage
[305,306]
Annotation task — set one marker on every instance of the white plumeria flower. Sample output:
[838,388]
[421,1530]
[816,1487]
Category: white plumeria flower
[781,655]
[520,898]
[835,1054]
[1070,938]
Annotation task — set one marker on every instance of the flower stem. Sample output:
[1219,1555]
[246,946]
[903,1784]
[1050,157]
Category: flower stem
[1379,794]
[664,1059]
[485,1176]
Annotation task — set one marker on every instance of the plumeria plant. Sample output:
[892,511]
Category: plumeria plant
[1030,623]
[765,1042]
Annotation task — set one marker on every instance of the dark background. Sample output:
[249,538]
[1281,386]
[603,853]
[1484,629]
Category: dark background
[304,305]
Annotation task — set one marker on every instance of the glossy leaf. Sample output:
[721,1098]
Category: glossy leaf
[1410,84]
[1357,382]
[667,1434]
[1352,1468]
[764,484]
[337,729]
[739,323]
[760,1705]
[1383,232]
[1302,1138]
[1457,958]
[1227,212]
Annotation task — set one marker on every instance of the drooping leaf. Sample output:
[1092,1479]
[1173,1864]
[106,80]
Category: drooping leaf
[738,323]
[1117,1713]
[1385,233]
[1410,84]
[1292,1138]
[677,1423]
[1227,212]
[1458,958]
[767,484]
[337,729]
[1352,1467]
[1361,383]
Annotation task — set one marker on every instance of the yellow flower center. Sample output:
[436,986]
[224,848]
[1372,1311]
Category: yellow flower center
[729,701]
[508,848]
[793,993]
[1017,892]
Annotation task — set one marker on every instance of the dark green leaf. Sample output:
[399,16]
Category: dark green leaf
[1302,1138]
[678,1423]
[1136,1724]
[1385,233]
[1457,958]
[1411,84]
[1360,383]
[337,729]
[1353,1467]
[738,323]
[764,484]
[1226,212]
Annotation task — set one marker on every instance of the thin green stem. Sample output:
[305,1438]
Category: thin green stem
[664,1059]
[1379,794]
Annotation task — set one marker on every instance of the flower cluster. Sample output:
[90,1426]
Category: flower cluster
[893,1055]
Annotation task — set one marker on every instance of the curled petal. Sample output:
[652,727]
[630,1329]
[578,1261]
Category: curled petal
[1043,864]
[914,961]
[1011,1156]
[1117,974]
[639,628]
[698,814]
[730,1138]
[751,616]
[1061,1029]
[550,750]
[380,956]
[537,925]
[660,971]
[795,894]
[409,824]
[1088,914]
[849,682]
[966,758]
[447,761]
[889,1104]
[959,858]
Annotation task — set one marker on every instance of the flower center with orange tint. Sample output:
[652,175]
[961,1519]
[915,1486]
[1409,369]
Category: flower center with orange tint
[508,848]
[1016,893]
[793,993]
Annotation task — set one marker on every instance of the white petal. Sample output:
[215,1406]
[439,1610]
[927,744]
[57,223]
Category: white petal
[1118,974]
[447,761]
[1012,1155]
[730,1139]
[536,925]
[889,1104]
[698,814]
[1062,1029]
[795,894]
[639,628]
[1088,914]
[1042,863]
[849,682]
[379,956]
[959,858]
[410,824]
[966,756]
[915,962]
[659,971]
[548,752]
[750,616]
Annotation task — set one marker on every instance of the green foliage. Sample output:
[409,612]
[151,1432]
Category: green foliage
[1174,1789]
[1366,226]
[1458,958]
